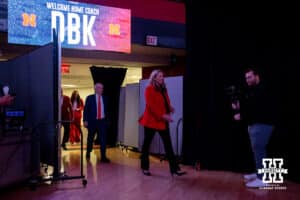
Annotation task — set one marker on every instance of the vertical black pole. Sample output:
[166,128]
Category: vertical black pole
[55,102]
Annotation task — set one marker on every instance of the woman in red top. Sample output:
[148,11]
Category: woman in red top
[156,118]
[77,105]
[66,115]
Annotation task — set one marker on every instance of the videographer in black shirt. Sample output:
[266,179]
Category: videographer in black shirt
[258,109]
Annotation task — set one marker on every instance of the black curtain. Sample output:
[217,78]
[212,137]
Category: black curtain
[221,42]
[112,79]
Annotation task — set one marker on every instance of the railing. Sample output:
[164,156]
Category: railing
[177,136]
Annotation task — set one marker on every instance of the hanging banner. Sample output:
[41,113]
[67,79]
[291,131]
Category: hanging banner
[81,25]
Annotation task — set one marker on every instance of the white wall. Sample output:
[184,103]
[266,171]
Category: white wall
[131,129]
[121,116]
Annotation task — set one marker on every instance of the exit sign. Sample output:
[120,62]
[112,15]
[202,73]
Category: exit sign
[151,40]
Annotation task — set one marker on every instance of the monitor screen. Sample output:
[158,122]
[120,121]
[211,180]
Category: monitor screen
[15,114]
[14,119]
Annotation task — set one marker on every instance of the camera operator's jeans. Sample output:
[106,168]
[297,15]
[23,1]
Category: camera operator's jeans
[259,137]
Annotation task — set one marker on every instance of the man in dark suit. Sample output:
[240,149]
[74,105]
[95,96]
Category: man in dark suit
[66,115]
[95,119]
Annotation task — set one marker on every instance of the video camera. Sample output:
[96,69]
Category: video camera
[234,93]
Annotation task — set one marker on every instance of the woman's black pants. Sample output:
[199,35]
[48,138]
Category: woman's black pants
[165,136]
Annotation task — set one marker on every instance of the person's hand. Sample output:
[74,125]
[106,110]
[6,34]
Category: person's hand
[6,100]
[85,124]
[172,110]
[237,117]
[235,105]
[167,117]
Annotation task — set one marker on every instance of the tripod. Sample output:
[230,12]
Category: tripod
[56,176]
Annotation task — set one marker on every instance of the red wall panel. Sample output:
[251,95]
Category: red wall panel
[162,10]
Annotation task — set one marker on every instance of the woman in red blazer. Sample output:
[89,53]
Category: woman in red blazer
[156,118]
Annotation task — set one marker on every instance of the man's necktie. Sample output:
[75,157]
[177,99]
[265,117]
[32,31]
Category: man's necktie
[99,108]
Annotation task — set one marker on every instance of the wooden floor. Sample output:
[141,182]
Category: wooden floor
[122,180]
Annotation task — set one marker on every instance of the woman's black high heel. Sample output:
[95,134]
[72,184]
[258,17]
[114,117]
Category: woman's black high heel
[178,173]
[146,172]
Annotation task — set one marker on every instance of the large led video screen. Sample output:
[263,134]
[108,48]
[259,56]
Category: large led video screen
[81,25]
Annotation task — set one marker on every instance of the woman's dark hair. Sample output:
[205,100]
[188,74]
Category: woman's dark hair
[254,69]
[76,97]
[152,81]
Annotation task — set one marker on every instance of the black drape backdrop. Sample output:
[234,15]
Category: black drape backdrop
[112,79]
[220,43]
